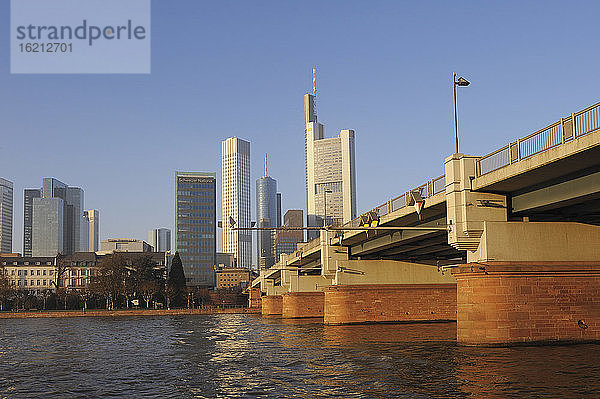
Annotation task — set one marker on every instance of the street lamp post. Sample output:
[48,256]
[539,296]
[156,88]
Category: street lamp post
[325,192]
[463,83]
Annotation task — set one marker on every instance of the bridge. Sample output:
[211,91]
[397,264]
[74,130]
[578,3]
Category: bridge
[506,244]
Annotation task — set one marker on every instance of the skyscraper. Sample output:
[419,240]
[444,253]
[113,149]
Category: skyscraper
[48,226]
[279,209]
[330,172]
[84,236]
[266,216]
[195,225]
[68,239]
[94,229]
[235,198]
[6,215]
[286,241]
[160,239]
[29,195]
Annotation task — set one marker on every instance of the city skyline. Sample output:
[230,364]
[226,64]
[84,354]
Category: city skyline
[399,105]
[427,224]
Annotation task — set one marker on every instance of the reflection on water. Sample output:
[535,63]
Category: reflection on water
[250,356]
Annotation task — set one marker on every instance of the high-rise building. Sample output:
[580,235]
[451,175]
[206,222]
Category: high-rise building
[195,225]
[160,239]
[6,215]
[93,216]
[266,216]
[68,239]
[294,218]
[235,198]
[278,212]
[330,172]
[48,226]
[286,240]
[74,212]
[29,195]
[84,239]
[224,260]
[124,245]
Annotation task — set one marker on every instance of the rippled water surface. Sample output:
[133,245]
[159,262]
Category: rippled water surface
[250,356]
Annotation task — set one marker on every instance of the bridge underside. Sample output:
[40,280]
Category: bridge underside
[566,189]
[426,247]
[572,198]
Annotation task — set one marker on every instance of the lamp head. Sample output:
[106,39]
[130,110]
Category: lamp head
[462,82]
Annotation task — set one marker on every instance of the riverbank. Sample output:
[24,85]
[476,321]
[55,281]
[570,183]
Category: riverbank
[124,312]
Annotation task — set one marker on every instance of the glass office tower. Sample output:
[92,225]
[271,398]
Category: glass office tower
[266,216]
[195,226]
[160,239]
[6,215]
[72,216]
[48,227]
[30,194]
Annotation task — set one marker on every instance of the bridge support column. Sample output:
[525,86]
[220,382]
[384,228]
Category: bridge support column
[508,303]
[254,299]
[303,304]
[530,282]
[272,305]
[370,291]
[372,303]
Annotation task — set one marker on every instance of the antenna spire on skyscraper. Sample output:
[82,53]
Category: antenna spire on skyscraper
[315,81]
[315,91]
[266,165]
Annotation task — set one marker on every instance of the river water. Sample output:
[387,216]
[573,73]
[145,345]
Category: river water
[248,356]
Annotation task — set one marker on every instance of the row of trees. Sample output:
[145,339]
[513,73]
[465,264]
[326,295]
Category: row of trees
[117,282]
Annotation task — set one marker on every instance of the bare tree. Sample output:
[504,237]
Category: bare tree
[148,277]
[5,289]
[62,266]
[109,279]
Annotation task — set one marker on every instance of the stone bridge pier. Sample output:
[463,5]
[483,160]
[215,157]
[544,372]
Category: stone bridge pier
[524,282]
[368,291]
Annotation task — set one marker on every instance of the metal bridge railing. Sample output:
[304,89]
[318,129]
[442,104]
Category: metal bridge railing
[587,121]
[398,202]
[537,142]
[432,187]
[567,129]
[438,185]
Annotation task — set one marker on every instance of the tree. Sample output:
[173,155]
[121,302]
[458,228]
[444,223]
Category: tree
[110,278]
[176,291]
[147,277]
[129,284]
[62,266]
[5,290]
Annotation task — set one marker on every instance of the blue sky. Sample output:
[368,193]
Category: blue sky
[233,68]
